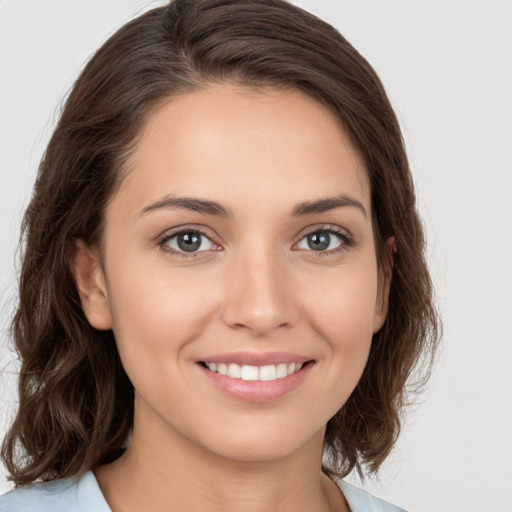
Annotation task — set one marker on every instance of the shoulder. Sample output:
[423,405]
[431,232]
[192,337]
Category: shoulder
[77,494]
[362,501]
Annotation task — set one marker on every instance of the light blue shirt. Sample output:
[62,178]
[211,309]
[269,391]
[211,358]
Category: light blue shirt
[83,494]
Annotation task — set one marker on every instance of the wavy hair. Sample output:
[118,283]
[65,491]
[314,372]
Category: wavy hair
[75,400]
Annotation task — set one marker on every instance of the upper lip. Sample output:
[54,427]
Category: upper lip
[256,358]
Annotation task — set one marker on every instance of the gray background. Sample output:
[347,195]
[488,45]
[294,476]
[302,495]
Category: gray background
[447,66]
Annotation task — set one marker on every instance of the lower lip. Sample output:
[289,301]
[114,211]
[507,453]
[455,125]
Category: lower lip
[257,390]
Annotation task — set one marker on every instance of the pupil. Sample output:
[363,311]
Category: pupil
[319,241]
[189,242]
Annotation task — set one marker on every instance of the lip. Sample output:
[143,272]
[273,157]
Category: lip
[256,358]
[257,391]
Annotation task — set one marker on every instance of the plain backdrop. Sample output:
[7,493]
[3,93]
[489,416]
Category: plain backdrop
[447,67]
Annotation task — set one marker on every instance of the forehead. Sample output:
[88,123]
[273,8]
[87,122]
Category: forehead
[244,144]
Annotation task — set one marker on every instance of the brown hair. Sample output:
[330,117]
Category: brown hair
[75,400]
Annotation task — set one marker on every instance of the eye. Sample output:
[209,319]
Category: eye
[187,242]
[325,240]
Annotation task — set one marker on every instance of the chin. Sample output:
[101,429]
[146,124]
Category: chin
[262,445]
[256,452]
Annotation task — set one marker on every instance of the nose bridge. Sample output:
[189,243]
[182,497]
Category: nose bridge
[258,291]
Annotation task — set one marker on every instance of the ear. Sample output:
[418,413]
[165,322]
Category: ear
[384,285]
[85,266]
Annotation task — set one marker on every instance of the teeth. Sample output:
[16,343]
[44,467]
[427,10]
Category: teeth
[282,370]
[268,372]
[233,371]
[247,372]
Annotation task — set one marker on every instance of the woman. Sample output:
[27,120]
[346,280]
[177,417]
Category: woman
[224,290]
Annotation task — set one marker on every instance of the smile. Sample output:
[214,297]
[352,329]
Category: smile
[256,377]
[248,372]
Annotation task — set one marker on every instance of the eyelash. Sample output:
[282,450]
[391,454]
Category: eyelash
[346,241]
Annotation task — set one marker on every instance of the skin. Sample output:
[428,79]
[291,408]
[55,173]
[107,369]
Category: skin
[255,285]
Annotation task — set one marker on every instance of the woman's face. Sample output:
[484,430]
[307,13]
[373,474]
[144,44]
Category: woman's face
[240,241]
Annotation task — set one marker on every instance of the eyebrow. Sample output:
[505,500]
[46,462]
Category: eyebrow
[216,209]
[189,203]
[327,204]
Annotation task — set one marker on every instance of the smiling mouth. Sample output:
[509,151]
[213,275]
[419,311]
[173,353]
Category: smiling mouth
[255,373]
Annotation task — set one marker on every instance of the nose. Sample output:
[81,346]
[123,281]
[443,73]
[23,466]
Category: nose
[259,293]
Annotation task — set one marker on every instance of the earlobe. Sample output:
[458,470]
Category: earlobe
[384,285]
[85,266]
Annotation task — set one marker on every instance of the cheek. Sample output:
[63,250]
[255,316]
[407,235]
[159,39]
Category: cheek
[343,308]
[342,317]
[156,313]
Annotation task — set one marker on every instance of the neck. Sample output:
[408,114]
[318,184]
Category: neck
[162,470]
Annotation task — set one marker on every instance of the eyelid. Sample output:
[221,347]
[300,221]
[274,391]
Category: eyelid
[327,227]
[176,230]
